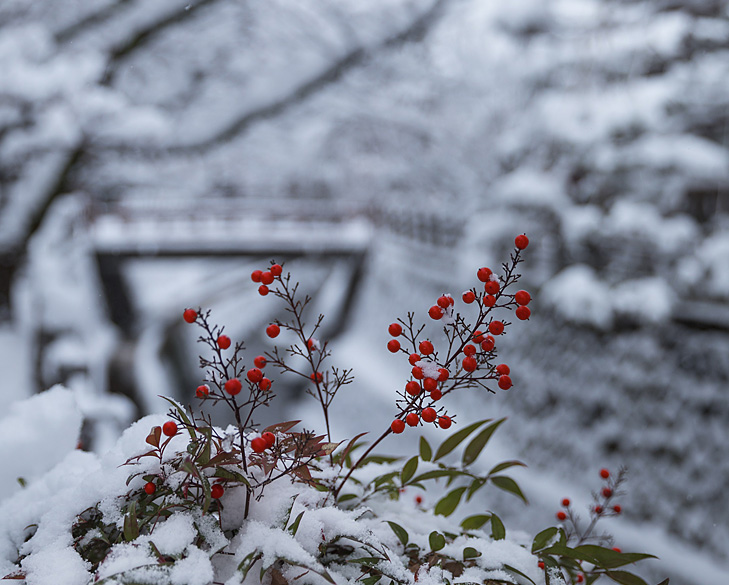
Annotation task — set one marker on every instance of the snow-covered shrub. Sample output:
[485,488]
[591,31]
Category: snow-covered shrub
[182,501]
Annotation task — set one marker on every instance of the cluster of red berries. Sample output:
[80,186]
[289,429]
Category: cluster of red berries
[265,441]
[443,306]
[599,509]
[266,277]
[412,419]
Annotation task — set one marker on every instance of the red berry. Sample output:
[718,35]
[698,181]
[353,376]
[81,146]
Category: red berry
[580,578]
[504,382]
[169,428]
[217,491]
[599,509]
[484,274]
[469,349]
[522,297]
[418,500]
[273,330]
[470,364]
[523,313]
[477,336]
[429,414]
[316,377]
[233,386]
[607,492]
[412,388]
[393,345]
[604,473]
[444,302]
[202,391]
[435,312]
[311,344]
[488,343]
[566,502]
[430,384]
[521,241]
[418,373]
[263,290]
[425,347]
[617,509]
[150,488]
[617,550]
[397,426]
[254,375]
[259,445]
[489,300]
[259,361]
[540,564]
[503,369]
[412,419]
[189,315]
[266,278]
[223,342]
[256,275]
[395,329]
[265,384]
[496,327]
[443,374]
[270,439]
[492,287]
[436,395]
[561,516]
[276,269]
[444,422]
[414,359]
[468,297]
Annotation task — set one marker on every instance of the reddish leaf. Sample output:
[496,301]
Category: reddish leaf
[154,436]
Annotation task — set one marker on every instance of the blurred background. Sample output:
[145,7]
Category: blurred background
[153,154]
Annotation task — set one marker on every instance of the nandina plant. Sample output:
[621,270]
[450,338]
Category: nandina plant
[284,504]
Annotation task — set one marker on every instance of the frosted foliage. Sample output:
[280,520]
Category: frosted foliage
[647,300]
[578,295]
[713,257]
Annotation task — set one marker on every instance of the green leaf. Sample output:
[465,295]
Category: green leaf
[224,473]
[400,532]
[131,526]
[295,526]
[409,469]
[425,451]
[544,538]
[474,448]
[379,459]
[247,563]
[625,578]
[505,465]
[346,497]
[436,473]
[498,531]
[664,582]
[476,485]
[456,439]
[508,485]
[475,522]
[448,503]
[386,478]
[518,572]
[470,553]
[608,558]
[371,580]
[204,456]
[436,540]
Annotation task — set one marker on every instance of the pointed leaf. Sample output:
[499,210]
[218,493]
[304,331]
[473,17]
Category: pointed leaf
[400,532]
[409,469]
[518,572]
[295,526]
[476,485]
[456,439]
[505,465]
[625,578]
[154,436]
[664,582]
[131,526]
[474,448]
[608,558]
[223,473]
[475,522]
[204,456]
[436,540]
[545,538]
[448,504]
[281,427]
[498,531]
[508,485]
[425,451]
[436,473]
[349,447]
